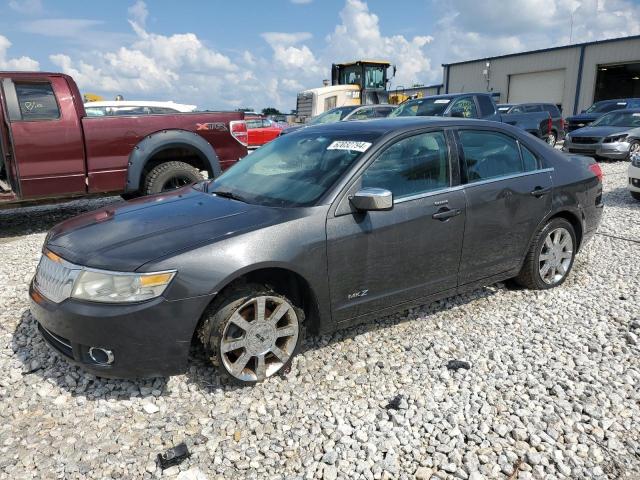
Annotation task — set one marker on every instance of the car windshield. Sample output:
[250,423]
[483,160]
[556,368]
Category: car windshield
[422,107]
[333,115]
[294,170]
[618,119]
[604,107]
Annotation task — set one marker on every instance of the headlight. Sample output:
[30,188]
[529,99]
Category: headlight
[113,287]
[616,138]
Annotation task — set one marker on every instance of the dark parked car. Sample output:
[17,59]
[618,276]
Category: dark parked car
[317,230]
[598,109]
[550,128]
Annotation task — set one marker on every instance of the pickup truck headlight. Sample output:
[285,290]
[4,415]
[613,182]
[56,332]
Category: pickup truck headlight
[616,138]
[114,287]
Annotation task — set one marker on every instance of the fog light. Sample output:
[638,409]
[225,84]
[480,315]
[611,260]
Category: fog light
[101,356]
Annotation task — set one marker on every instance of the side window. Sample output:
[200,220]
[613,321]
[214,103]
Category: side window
[411,166]
[532,108]
[487,107]
[37,101]
[163,110]
[363,114]
[529,160]
[464,107]
[255,123]
[552,109]
[489,155]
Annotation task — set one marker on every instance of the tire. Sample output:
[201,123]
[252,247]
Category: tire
[169,176]
[552,139]
[558,261]
[264,347]
[635,195]
[634,148]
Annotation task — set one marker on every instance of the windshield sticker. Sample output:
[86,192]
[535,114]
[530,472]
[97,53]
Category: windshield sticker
[442,100]
[635,114]
[349,145]
[621,103]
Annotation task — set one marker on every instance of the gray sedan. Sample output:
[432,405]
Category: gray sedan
[615,135]
[318,230]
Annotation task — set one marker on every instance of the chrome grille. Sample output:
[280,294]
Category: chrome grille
[54,279]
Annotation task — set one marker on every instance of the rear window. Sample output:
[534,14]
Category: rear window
[552,109]
[37,101]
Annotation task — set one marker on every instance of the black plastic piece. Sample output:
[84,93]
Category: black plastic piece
[173,456]
[458,364]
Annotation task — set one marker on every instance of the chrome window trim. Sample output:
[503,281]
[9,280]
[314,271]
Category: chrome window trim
[466,185]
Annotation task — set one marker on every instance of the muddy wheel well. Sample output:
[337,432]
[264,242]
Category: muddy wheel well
[186,154]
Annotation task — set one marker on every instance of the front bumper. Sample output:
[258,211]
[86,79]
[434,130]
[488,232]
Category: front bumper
[148,339]
[634,178]
[613,150]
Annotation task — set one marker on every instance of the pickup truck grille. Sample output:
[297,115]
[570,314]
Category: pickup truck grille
[54,279]
[304,105]
[585,140]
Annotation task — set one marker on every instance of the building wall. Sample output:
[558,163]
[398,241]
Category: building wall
[624,51]
[469,77]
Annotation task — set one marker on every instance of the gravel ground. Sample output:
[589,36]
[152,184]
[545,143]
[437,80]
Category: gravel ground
[552,390]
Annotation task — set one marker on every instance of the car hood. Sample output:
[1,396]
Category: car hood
[598,131]
[125,236]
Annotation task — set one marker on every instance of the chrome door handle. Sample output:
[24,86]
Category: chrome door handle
[446,213]
[539,191]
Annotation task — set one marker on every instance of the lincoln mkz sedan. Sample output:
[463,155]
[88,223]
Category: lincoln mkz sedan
[320,229]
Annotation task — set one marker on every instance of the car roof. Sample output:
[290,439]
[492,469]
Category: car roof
[382,126]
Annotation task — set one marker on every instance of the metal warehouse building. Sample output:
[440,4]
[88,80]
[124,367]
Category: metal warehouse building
[573,76]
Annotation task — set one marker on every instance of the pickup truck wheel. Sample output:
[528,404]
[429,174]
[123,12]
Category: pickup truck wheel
[169,176]
[550,257]
[552,139]
[251,333]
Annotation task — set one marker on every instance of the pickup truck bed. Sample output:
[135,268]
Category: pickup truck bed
[51,149]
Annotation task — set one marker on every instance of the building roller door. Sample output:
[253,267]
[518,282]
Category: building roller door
[545,87]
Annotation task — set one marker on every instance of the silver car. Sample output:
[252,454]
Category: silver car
[615,135]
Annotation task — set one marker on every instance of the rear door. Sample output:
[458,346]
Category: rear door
[508,193]
[47,137]
[384,258]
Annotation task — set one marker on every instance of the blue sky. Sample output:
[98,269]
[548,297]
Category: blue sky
[221,54]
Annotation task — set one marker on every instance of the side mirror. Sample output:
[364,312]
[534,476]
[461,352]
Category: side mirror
[457,114]
[371,199]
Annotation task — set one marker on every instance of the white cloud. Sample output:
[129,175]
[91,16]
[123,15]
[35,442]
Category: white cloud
[138,12]
[61,27]
[20,63]
[301,2]
[29,7]
[285,38]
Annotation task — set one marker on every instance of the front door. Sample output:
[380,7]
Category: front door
[47,137]
[508,194]
[384,258]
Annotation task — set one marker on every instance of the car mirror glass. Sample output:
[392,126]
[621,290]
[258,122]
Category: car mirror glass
[372,199]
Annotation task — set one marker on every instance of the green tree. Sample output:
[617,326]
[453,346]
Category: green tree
[270,111]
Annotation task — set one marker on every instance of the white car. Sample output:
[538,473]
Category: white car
[634,176]
[130,107]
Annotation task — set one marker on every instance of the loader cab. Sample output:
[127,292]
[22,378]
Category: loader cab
[370,76]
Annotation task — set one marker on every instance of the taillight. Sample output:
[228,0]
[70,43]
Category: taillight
[563,124]
[238,129]
[597,171]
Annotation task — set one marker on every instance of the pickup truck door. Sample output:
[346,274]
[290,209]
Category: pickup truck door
[48,145]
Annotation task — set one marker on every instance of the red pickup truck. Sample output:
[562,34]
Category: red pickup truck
[51,149]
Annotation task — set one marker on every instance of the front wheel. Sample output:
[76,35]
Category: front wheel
[634,149]
[170,176]
[550,257]
[252,333]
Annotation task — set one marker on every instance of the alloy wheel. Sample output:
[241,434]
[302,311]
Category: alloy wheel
[551,139]
[556,256]
[634,149]
[176,182]
[259,338]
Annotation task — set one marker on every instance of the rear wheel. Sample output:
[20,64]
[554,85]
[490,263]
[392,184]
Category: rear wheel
[552,139]
[252,333]
[170,176]
[550,257]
